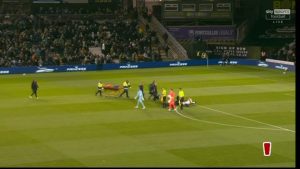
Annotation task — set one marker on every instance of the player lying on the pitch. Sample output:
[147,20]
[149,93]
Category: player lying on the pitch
[188,102]
[111,86]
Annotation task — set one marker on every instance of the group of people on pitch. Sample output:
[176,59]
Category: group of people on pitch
[140,95]
[179,101]
[172,102]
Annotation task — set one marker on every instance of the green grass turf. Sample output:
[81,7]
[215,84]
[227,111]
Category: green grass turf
[238,108]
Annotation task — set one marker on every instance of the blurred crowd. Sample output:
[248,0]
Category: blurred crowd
[286,52]
[37,40]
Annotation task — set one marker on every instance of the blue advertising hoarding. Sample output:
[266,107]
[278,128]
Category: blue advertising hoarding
[46,69]
[137,65]
[278,64]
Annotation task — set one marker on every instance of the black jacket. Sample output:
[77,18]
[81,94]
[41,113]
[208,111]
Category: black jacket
[34,85]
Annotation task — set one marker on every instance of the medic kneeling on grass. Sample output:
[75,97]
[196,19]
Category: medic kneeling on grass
[171,100]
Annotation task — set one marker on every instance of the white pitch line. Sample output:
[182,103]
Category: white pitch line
[289,94]
[245,118]
[223,124]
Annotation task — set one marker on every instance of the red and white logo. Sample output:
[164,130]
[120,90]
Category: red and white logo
[267,148]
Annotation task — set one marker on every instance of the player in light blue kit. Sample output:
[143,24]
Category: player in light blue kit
[140,99]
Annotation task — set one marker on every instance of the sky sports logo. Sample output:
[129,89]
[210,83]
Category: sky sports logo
[282,11]
[279,11]
[278,14]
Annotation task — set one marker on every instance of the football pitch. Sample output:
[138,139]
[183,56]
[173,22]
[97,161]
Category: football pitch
[237,109]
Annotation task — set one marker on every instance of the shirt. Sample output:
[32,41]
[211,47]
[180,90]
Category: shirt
[164,92]
[181,93]
[34,86]
[139,95]
[100,85]
[172,97]
[125,85]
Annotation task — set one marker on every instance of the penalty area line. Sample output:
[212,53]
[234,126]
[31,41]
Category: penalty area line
[228,125]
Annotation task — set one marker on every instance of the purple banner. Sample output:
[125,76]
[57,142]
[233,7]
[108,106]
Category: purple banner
[226,32]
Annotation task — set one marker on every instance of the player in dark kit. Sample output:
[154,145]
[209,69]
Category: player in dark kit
[164,97]
[34,88]
[153,91]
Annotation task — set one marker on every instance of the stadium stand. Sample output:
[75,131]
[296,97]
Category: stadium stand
[286,52]
[43,40]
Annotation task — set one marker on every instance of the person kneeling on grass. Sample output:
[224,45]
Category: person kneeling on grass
[140,98]
[188,102]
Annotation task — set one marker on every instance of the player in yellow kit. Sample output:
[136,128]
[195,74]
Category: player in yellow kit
[164,97]
[100,88]
[181,98]
[126,86]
